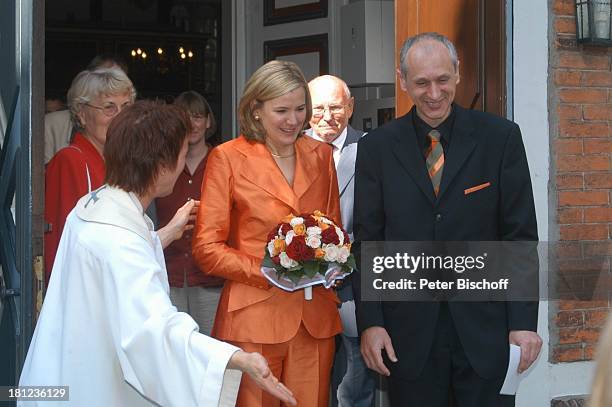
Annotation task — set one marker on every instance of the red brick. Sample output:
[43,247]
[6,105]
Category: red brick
[567,354]
[592,249]
[567,250]
[564,7]
[566,319]
[569,215]
[583,265]
[565,25]
[595,181]
[583,232]
[569,181]
[597,145]
[573,335]
[581,60]
[569,112]
[595,319]
[584,95]
[597,112]
[567,78]
[576,163]
[598,214]
[583,129]
[603,79]
[571,305]
[582,198]
[589,352]
[569,146]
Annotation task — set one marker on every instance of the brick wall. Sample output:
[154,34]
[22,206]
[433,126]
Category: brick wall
[580,89]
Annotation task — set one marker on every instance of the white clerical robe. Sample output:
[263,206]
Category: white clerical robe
[107,328]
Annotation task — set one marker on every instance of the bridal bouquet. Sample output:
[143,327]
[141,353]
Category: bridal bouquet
[307,250]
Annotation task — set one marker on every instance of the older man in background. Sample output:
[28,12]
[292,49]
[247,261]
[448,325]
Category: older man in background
[332,107]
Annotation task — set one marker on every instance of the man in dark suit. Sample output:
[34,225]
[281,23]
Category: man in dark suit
[442,173]
[332,107]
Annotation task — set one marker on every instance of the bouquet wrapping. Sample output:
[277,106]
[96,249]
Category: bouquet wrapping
[307,250]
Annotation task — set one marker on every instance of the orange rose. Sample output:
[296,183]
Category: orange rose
[323,226]
[319,253]
[279,246]
[299,229]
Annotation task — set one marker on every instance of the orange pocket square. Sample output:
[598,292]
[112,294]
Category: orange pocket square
[477,188]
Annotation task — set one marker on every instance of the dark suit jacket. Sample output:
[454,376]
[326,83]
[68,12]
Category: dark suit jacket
[395,201]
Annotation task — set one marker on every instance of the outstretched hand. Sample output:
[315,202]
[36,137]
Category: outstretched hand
[182,221]
[256,366]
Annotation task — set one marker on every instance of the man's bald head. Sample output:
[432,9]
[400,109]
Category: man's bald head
[332,106]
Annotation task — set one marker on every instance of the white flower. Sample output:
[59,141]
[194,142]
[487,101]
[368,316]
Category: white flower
[340,235]
[286,261]
[289,237]
[313,241]
[271,247]
[343,254]
[313,231]
[331,252]
[325,220]
[296,221]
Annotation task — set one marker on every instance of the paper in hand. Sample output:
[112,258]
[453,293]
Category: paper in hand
[513,378]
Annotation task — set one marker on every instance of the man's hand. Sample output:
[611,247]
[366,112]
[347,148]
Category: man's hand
[256,366]
[530,343]
[373,341]
[181,222]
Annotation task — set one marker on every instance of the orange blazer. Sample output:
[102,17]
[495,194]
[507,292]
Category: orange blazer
[244,196]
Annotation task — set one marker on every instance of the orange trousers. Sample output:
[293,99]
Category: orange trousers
[303,364]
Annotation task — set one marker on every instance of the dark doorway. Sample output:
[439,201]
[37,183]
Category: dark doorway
[169,46]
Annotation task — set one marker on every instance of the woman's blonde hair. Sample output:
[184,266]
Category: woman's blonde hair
[274,79]
[88,85]
[601,392]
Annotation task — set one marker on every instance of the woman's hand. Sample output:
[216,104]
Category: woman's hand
[182,221]
[256,366]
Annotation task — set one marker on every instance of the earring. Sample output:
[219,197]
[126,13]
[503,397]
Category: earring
[256,117]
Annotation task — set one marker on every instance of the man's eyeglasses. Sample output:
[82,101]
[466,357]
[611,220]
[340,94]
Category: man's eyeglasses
[319,111]
[110,109]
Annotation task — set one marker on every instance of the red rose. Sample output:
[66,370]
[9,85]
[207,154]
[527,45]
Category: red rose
[285,228]
[347,239]
[308,220]
[329,236]
[298,250]
[276,259]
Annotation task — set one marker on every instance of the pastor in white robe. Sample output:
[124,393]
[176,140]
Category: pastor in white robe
[107,328]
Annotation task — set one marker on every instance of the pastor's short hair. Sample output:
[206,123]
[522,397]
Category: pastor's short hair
[143,139]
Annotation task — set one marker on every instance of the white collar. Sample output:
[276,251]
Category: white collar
[338,141]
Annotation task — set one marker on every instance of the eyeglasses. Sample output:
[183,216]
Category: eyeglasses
[319,111]
[110,109]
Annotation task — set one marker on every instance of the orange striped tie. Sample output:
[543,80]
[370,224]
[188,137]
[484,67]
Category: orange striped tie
[435,160]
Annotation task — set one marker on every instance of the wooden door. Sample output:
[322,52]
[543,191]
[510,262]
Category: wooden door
[477,29]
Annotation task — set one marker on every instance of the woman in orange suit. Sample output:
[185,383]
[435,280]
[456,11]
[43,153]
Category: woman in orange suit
[251,183]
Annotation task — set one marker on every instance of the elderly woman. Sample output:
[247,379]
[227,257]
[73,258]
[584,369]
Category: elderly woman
[250,184]
[94,99]
[124,344]
[191,290]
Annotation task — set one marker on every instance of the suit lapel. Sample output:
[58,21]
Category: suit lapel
[462,145]
[346,165]
[306,169]
[408,153]
[260,169]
